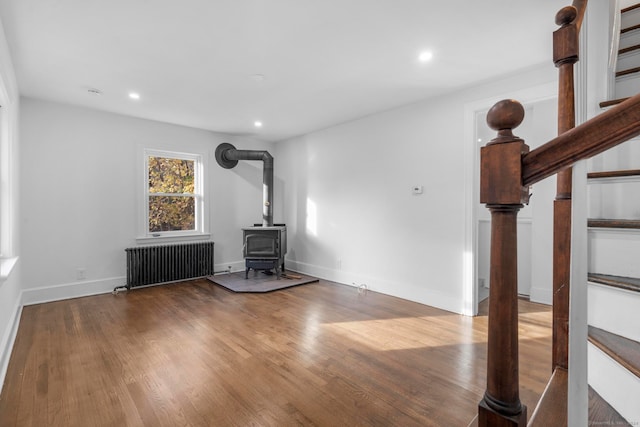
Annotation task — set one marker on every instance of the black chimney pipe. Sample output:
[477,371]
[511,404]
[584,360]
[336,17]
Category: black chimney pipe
[227,156]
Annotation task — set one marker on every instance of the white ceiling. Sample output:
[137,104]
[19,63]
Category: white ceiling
[324,61]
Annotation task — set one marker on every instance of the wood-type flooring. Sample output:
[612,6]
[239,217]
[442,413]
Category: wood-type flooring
[196,354]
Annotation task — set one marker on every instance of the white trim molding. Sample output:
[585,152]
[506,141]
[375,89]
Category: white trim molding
[8,338]
[70,290]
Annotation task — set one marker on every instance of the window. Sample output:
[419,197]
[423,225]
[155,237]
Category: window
[173,194]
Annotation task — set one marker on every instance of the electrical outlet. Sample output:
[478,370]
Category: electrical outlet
[81,273]
[339,264]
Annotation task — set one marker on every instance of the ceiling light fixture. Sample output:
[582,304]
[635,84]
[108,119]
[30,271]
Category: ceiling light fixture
[134,95]
[425,56]
[257,124]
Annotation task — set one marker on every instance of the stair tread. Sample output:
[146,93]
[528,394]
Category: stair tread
[552,406]
[629,29]
[614,223]
[630,8]
[601,413]
[605,104]
[614,174]
[628,72]
[623,350]
[628,283]
[628,49]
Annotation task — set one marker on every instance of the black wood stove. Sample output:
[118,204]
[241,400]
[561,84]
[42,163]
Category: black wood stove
[264,248]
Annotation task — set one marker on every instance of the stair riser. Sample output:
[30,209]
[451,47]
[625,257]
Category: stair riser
[624,156]
[628,60]
[614,310]
[615,252]
[614,198]
[619,387]
[627,85]
[629,19]
[629,39]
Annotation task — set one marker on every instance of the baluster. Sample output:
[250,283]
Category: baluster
[502,191]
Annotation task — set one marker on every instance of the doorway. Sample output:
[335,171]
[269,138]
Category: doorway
[535,220]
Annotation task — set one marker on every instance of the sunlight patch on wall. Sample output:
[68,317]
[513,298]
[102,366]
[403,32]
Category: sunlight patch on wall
[468,287]
[312,218]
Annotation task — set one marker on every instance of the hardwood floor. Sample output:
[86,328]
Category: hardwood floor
[196,354]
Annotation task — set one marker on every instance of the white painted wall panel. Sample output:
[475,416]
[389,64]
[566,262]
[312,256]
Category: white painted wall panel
[614,252]
[614,310]
[619,387]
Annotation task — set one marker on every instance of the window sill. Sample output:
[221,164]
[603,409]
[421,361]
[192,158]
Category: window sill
[6,267]
[174,239]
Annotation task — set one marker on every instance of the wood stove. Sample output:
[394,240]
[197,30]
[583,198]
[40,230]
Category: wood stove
[264,248]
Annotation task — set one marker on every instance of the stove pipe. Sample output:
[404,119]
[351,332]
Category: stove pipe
[227,156]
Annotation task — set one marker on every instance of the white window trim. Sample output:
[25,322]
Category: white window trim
[8,124]
[201,194]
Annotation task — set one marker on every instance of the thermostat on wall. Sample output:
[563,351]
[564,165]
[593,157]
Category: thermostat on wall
[416,189]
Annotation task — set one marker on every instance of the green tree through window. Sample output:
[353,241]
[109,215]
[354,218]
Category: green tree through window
[172,195]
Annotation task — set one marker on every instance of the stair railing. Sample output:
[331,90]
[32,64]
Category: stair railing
[508,169]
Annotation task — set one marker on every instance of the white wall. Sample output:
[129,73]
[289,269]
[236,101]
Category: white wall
[80,184]
[351,214]
[10,282]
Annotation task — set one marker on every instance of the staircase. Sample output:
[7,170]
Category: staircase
[508,169]
[614,256]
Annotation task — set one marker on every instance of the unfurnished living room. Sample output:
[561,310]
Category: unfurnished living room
[329,213]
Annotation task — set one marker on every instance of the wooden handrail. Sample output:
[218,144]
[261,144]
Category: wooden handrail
[599,134]
[581,8]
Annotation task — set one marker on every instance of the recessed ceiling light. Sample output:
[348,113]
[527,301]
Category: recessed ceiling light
[257,77]
[257,124]
[425,56]
[94,92]
[134,95]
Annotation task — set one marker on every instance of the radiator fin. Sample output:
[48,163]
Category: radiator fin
[149,265]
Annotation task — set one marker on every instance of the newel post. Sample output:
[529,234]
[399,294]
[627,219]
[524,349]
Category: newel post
[565,55]
[502,191]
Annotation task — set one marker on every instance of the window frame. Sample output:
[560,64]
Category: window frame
[201,206]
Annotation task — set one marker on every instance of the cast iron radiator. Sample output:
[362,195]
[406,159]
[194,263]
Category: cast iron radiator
[148,265]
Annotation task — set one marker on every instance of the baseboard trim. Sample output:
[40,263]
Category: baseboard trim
[8,339]
[541,295]
[235,266]
[70,290]
[406,291]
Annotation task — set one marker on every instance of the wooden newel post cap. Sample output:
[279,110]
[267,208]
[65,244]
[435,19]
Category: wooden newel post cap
[565,38]
[566,15]
[503,117]
[501,159]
